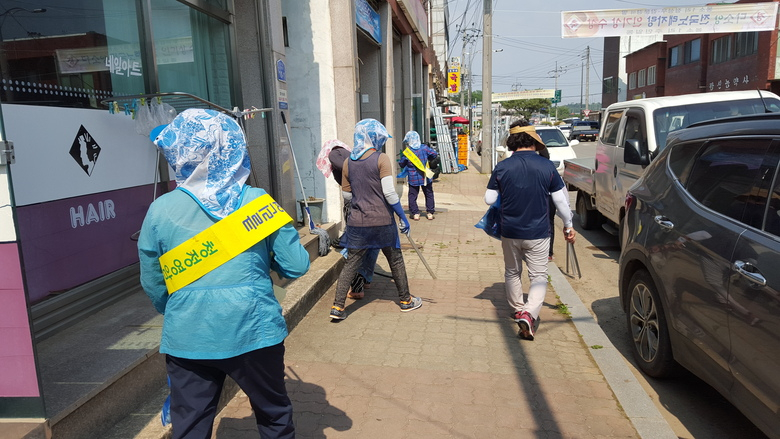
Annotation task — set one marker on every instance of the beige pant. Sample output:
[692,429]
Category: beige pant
[534,253]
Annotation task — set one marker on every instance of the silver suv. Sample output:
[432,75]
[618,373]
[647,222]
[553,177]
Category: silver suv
[700,265]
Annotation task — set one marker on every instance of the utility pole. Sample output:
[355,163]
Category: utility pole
[462,64]
[486,164]
[556,73]
[582,70]
[471,112]
[587,78]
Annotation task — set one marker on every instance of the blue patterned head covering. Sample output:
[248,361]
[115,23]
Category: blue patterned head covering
[207,151]
[412,140]
[369,134]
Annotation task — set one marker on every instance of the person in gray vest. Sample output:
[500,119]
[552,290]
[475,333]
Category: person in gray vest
[369,184]
[331,160]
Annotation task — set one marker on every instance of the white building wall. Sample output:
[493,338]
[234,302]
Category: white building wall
[439,19]
[311,93]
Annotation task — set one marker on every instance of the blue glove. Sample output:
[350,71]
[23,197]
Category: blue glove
[402,216]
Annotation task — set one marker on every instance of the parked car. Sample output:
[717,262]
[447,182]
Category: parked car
[601,184]
[565,129]
[584,131]
[559,148]
[699,278]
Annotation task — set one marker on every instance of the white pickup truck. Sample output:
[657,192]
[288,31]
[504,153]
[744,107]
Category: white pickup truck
[632,134]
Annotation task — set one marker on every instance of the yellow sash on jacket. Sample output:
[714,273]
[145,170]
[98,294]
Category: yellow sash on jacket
[221,242]
[417,163]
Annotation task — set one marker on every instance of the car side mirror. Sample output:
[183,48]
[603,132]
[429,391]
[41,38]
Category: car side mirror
[635,153]
[574,142]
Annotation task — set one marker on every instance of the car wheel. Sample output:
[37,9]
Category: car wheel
[648,328]
[589,219]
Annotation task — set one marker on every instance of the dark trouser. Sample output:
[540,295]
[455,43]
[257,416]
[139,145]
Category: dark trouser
[552,225]
[354,260]
[197,384]
[414,191]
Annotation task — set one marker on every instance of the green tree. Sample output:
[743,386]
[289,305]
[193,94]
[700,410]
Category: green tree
[476,97]
[563,112]
[526,107]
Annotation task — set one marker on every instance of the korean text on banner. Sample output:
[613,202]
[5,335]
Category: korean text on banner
[743,17]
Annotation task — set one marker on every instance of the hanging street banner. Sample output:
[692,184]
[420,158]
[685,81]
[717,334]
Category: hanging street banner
[742,17]
[453,79]
[525,94]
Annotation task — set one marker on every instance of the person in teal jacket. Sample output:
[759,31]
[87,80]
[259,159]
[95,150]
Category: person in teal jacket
[228,322]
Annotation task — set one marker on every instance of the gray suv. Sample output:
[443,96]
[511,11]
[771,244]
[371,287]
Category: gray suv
[700,264]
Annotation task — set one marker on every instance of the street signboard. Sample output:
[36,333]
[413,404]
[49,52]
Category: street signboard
[525,94]
[453,79]
[557,98]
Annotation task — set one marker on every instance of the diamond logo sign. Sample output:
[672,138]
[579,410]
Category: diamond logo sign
[85,150]
[573,24]
[760,17]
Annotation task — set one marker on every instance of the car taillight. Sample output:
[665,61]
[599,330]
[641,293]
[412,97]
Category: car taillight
[630,200]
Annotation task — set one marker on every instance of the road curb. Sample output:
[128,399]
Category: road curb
[637,405]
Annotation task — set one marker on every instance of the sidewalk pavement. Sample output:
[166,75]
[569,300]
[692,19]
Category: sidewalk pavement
[455,368]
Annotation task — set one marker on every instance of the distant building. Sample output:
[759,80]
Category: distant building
[645,69]
[698,63]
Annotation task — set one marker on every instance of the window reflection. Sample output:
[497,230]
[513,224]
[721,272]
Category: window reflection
[70,54]
[192,52]
[79,52]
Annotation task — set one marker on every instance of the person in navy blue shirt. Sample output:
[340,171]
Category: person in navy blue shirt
[525,182]
[417,178]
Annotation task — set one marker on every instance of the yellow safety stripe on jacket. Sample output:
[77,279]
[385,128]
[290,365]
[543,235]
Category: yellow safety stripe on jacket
[417,163]
[221,242]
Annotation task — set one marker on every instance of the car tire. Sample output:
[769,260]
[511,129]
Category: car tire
[589,219]
[648,328]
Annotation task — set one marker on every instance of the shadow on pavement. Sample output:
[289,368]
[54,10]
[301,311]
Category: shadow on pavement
[496,294]
[313,414]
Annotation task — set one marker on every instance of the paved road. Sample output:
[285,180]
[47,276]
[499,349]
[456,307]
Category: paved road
[692,408]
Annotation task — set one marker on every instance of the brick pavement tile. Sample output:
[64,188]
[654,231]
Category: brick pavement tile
[454,368]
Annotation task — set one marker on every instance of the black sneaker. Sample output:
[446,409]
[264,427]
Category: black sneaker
[337,313]
[412,304]
[527,327]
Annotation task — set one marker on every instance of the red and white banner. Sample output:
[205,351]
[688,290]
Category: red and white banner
[742,17]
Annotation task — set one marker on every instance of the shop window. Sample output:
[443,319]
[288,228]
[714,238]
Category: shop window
[75,55]
[641,78]
[651,75]
[192,52]
[632,80]
[54,56]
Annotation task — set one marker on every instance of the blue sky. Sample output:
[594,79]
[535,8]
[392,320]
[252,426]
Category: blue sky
[529,37]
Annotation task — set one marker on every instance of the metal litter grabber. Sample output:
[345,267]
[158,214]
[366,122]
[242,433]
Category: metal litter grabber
[324,238]
[414,246]
[571,261]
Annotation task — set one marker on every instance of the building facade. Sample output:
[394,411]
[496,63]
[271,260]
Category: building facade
[701,63]
[645,70]
[82,172]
